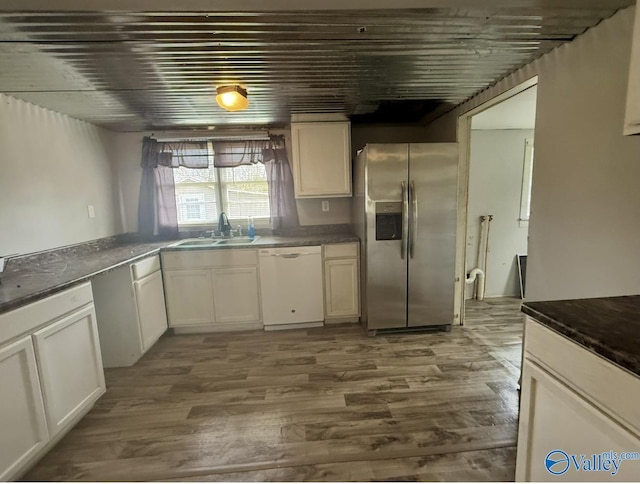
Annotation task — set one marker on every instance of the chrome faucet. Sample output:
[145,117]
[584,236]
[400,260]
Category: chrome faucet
[224,226]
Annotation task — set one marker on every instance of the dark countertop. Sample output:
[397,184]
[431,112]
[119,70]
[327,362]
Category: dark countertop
[608,326]
[42,275]
[42,278]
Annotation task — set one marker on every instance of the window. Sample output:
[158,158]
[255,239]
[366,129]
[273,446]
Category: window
[525,197]
[240,192]
[193,206]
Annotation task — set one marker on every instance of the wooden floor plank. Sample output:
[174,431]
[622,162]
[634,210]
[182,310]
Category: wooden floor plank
[317,404]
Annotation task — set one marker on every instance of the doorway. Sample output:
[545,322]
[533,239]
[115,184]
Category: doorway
[497,144]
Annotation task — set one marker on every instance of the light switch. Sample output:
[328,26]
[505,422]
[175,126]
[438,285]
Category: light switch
[91,210]
[325,205]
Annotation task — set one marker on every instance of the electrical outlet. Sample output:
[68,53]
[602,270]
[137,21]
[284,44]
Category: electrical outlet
[325,205]
[92,211]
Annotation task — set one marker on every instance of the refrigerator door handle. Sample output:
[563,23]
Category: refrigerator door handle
[414,216]
[405,221]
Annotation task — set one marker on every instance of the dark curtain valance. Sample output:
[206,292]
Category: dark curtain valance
[190,154]
[229,154]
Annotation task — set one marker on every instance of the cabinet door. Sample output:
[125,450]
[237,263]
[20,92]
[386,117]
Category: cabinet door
[152,313]
[632,115]
[23,428]
[554,417]
[341,288]
[235,295]
[189,297]
[321,159]
[70,364]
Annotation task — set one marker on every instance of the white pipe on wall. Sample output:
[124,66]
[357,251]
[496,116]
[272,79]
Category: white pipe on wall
[478,274]
[485,263]
[481,243]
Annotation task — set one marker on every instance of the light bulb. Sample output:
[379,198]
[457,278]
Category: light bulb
[229,98]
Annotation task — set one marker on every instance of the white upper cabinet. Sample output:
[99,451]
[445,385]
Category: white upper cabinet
[632,117]
[321,159]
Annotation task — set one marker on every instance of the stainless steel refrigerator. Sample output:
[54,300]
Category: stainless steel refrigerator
[405,205]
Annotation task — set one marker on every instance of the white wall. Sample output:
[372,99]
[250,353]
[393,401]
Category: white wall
[51,167]
[584,233]
[495,184]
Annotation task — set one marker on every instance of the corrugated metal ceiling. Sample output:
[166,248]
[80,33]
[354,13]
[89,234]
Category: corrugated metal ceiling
[129,71]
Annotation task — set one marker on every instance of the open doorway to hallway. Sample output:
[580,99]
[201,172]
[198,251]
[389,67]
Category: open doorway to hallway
[500,165]
[499,189]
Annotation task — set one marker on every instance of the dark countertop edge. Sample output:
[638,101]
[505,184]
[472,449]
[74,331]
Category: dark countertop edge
[593,345]
[39,295]
[19,302]
[270,245]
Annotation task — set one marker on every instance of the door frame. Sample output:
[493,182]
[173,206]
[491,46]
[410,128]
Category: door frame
[464,140]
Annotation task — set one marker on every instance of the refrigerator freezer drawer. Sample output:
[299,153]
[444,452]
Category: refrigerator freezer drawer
[291,285]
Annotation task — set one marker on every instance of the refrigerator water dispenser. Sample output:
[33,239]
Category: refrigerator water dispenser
[388,220]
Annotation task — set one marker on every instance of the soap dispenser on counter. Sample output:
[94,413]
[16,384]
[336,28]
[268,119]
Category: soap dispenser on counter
[251,229]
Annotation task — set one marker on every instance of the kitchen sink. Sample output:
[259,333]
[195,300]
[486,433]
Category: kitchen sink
[196,243]
[215,242]
[237,241]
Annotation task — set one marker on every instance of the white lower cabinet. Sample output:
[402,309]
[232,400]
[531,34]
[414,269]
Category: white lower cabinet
[189,297]
[130,311]
[235,295]
[23,428]
[152,315]
[341,282]
[574,405]
[341,288]
[50,374]
[70,364]
[557,418]
[212,290]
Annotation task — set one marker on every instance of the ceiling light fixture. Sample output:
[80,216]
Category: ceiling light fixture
[232,98]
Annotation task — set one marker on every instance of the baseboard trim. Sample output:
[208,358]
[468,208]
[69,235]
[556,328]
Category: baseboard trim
[280,327]
[217,328]
[351,319]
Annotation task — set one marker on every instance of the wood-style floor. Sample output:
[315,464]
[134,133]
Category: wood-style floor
[325,404]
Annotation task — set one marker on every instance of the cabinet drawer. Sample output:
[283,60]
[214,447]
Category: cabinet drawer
[197,259]
[27,318]
[598,379]
[145,267]
[340,251]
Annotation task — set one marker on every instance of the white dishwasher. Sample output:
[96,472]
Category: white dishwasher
[291,287]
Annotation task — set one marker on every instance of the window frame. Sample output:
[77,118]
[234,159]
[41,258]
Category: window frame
[221,203]
[527,178]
